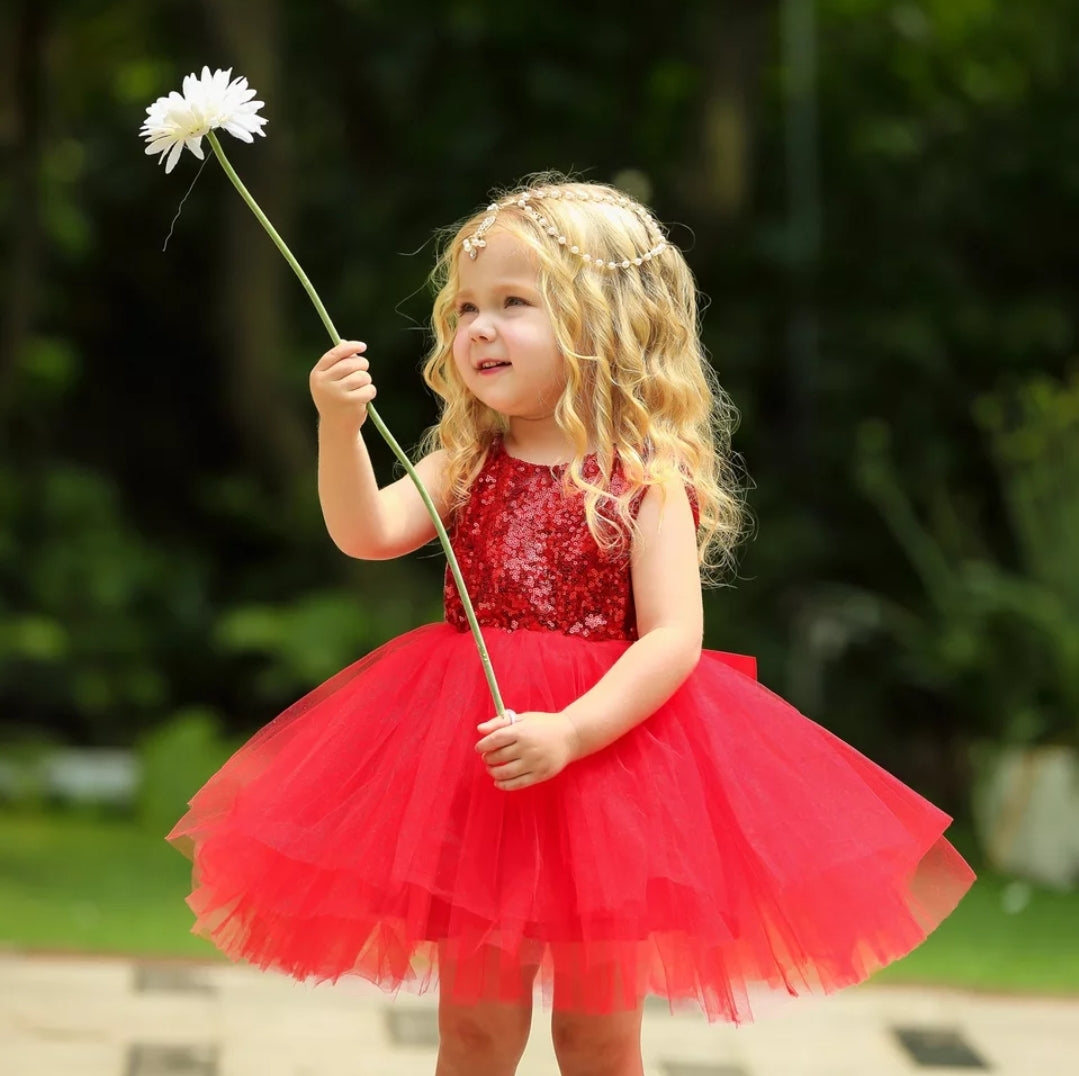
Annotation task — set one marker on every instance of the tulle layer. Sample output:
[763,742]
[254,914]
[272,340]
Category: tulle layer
[726,845]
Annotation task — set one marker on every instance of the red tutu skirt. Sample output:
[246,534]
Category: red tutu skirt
[724,846]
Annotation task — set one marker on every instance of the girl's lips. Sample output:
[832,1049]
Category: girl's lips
[488,370]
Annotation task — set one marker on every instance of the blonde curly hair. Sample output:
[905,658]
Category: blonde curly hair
[639,388]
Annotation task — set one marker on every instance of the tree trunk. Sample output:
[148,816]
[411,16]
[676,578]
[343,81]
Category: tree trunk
[718,179]
[24,266]
[272,425]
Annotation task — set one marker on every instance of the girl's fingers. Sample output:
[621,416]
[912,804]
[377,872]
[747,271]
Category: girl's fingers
[357,380]
[524,781]
[491,729]
[496,722]
[340,351]
[346,366]
[507,771]
[494,740]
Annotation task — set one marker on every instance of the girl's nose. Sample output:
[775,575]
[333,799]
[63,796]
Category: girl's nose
[482,327]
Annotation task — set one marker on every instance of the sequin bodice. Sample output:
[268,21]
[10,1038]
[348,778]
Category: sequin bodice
[529,559]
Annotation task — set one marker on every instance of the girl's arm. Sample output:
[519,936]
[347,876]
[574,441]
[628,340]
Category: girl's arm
[363,520]
[670,625]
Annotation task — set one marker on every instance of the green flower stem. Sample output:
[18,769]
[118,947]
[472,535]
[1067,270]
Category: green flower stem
[443,537]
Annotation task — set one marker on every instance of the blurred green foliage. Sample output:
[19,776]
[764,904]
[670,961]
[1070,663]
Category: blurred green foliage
[176,758]
[161,550]
[993,637]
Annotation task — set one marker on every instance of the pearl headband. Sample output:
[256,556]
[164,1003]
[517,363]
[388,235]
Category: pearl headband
[476,242]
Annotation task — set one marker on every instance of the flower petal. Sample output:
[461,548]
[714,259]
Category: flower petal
[174,156]
[160,145]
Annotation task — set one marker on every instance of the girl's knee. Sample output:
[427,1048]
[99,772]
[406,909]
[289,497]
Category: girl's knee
[484,1037]
[597,1045]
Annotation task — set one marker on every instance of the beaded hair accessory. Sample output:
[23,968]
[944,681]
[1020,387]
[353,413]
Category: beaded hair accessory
[476,242]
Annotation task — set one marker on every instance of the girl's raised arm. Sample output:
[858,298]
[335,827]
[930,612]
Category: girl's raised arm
[364,521]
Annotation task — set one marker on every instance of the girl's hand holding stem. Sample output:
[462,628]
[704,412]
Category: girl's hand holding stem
[341,385]
[534,748]
[358,517]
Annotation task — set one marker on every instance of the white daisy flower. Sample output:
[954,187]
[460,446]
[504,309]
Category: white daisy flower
[208,101]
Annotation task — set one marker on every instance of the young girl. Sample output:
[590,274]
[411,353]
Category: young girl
[647,818]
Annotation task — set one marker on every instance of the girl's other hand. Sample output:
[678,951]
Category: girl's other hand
[341,386]
[534,748]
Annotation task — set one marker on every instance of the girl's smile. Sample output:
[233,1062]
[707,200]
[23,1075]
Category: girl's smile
[491,366]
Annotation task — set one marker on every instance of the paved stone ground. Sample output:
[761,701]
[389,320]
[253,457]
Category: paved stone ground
[69,1016]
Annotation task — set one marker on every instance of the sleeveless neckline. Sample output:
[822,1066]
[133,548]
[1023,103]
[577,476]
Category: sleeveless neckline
[498,447]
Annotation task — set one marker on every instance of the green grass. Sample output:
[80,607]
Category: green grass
[105,885]
[984,947]
[93,885]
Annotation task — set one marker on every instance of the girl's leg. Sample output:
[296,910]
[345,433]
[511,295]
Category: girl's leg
[588,1044]
[608,1045]
[484,1038]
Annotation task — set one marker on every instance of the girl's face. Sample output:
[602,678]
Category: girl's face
[505,348]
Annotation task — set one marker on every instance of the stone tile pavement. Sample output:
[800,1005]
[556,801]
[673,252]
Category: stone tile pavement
[81,1016]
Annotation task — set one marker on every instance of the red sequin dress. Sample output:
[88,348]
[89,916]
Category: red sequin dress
[726,846]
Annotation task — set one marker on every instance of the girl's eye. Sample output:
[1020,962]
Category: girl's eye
[515,300]
[465,308]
